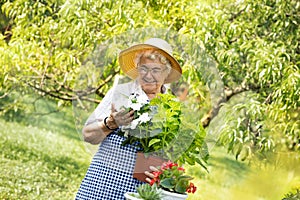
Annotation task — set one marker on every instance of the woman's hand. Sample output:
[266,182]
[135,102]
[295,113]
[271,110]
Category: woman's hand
[149,174]
[94,133]
[120,118]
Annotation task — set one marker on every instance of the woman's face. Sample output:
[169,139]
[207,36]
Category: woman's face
[151,74]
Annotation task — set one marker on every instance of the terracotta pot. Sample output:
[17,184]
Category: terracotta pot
[173,196]
[142,164]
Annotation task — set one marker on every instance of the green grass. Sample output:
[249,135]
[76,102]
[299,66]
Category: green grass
[43,157]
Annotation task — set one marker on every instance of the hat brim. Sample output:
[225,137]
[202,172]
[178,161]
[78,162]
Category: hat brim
[127,56]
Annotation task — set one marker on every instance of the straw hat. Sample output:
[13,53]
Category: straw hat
[127,56]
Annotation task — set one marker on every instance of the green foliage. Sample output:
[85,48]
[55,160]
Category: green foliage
[149,192]
[256,47]
[183,131]
[168,119]
[10,108]
[292,196]
[245,131]
[59,35]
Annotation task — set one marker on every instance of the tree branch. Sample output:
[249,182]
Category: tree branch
[60,90]
[235,15]
[229,92]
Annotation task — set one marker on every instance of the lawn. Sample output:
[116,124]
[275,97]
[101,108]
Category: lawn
[43,157]
[39,164]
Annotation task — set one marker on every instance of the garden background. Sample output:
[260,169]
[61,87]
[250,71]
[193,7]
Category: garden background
[256,114]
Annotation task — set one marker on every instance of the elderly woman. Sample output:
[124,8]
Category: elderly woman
[110,175]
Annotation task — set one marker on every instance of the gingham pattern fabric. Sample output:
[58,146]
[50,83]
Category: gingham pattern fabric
[110,173]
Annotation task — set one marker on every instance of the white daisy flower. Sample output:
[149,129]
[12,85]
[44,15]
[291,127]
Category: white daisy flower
[136,106]
[134,123]
[145,118]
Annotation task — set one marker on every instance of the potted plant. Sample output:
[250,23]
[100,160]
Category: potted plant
[155,123]
[146,192]
[169,183]
[173,181]
[162,132]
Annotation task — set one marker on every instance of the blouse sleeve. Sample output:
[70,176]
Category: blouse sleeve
[118,96]
[103,109]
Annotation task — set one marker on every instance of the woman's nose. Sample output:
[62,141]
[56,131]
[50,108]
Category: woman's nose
[148,75]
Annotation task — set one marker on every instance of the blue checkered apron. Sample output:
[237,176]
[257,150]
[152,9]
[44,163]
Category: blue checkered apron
[110,173]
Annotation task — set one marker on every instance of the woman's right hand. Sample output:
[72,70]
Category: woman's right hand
[149,174]
[120,118]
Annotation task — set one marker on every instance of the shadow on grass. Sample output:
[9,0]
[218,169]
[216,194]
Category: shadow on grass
[236,167]
[46,114]
[222,166]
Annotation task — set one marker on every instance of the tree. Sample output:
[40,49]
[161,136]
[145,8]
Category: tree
[256,47]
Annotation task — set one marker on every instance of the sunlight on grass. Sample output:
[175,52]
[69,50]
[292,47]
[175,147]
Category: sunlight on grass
[271,180]
[263,184]
[229,179]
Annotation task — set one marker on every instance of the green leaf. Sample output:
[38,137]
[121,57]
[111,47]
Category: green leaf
[153,141]
[168,183]
[184,178]
[180,188]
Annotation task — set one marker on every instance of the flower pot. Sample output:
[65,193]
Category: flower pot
[129,196]
[142,164]
[173,196]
